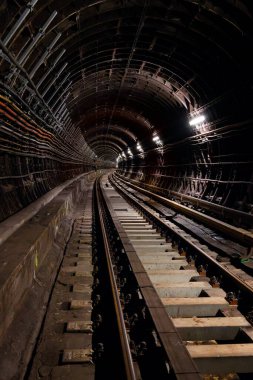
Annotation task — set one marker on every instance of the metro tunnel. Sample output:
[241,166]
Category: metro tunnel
[126,189]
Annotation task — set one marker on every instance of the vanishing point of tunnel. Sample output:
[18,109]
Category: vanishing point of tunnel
[121,122]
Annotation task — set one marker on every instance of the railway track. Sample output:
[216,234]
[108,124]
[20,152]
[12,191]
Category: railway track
[137,297]
[240,235]
[205,302]
[83,335]
[232,243]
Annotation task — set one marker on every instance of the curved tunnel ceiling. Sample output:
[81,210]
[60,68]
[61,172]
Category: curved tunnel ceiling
[124,69]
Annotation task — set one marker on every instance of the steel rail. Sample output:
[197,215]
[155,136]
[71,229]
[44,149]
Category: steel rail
[127,357]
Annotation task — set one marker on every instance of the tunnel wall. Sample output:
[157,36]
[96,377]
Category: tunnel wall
[28,270]
[33,159]
[214,167]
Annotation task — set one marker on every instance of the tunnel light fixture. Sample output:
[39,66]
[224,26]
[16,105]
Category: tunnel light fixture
[139,147]
[197,120]
[129,152]
[157,139]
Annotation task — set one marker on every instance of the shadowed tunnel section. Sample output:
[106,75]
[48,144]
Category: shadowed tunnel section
[88,84]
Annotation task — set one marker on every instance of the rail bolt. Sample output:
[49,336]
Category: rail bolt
[96,300]
[190,260]
[214,282]
[95,271]
[201,270]
[120,269]
[134,318]
[99,350]
[95,283]
[231,298]
[98,320]
[94,260]
[142,348]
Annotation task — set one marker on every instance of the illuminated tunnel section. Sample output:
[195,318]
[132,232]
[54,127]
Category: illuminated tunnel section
[89,84]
